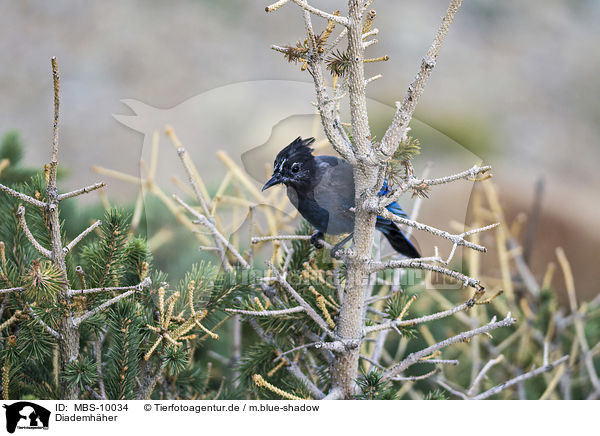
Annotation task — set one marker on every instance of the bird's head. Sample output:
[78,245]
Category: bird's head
[295,165]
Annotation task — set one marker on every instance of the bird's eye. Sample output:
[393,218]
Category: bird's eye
[295,168]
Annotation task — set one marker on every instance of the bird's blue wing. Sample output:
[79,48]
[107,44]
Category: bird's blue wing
[396,209]
[385,189]
[391,231]
[392,207]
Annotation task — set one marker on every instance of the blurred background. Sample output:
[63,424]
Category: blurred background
[516,86]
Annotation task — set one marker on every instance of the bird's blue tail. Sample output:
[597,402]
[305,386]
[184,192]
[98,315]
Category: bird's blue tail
[391,231]
[396,238]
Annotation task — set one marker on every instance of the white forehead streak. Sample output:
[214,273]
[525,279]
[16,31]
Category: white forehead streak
[281,165]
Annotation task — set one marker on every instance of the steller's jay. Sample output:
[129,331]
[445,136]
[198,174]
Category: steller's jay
[322,189]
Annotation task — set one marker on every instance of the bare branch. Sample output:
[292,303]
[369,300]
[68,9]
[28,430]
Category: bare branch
[41,322]
[138,287]
[267,312]
[335,42]
[6,291]
[327,107]
[397,130]
[293,350]
[279,48]
[417,377]
[309,310]
[23,197]
[339,346]
[335,346]
[458,239]
[43,251]
[482,374]
[450,389]
[77,321]
[368,44]
[519,379]
[523,269]
[372,79]
[372,32]
[330,118]
[201,219]
[54,156]
[415,357]
[82,235]
[200,193]
[81,191]
[417,264]
[579,326]
[413,182]
[276,5]
[371,361]
[182,153]
[292,367]
[336,18]
[440,361]
[427,318]
[471,173]
[259,239]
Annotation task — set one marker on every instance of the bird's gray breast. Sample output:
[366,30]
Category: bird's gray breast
[326,205]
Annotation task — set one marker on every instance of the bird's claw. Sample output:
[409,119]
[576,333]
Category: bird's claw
[317,240]
[335,252]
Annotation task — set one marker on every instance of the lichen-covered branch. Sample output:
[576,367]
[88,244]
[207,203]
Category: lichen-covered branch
[418,264]
[413,182]
[81,191]
[427,318]
[519,379]
[267,312]
[77,321]
[143,284]
[579,326]
[23,197]
[9,290]
[82,235]
[201,219]
[292,367]
[458,239]
[200,196]
[415,357]
[308,8]
[43,251]
[41,322]
[296,296]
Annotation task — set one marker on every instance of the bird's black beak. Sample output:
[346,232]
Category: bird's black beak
[275,180]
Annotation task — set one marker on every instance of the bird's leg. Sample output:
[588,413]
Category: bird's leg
[316,239]
[339,245]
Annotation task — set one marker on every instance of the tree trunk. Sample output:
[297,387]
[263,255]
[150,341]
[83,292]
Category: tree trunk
[350,322]
[68,342]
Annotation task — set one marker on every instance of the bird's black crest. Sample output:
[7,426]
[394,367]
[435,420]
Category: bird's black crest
[297,151]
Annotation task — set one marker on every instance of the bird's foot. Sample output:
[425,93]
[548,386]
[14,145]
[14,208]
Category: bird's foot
[336,252]
[317,239]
